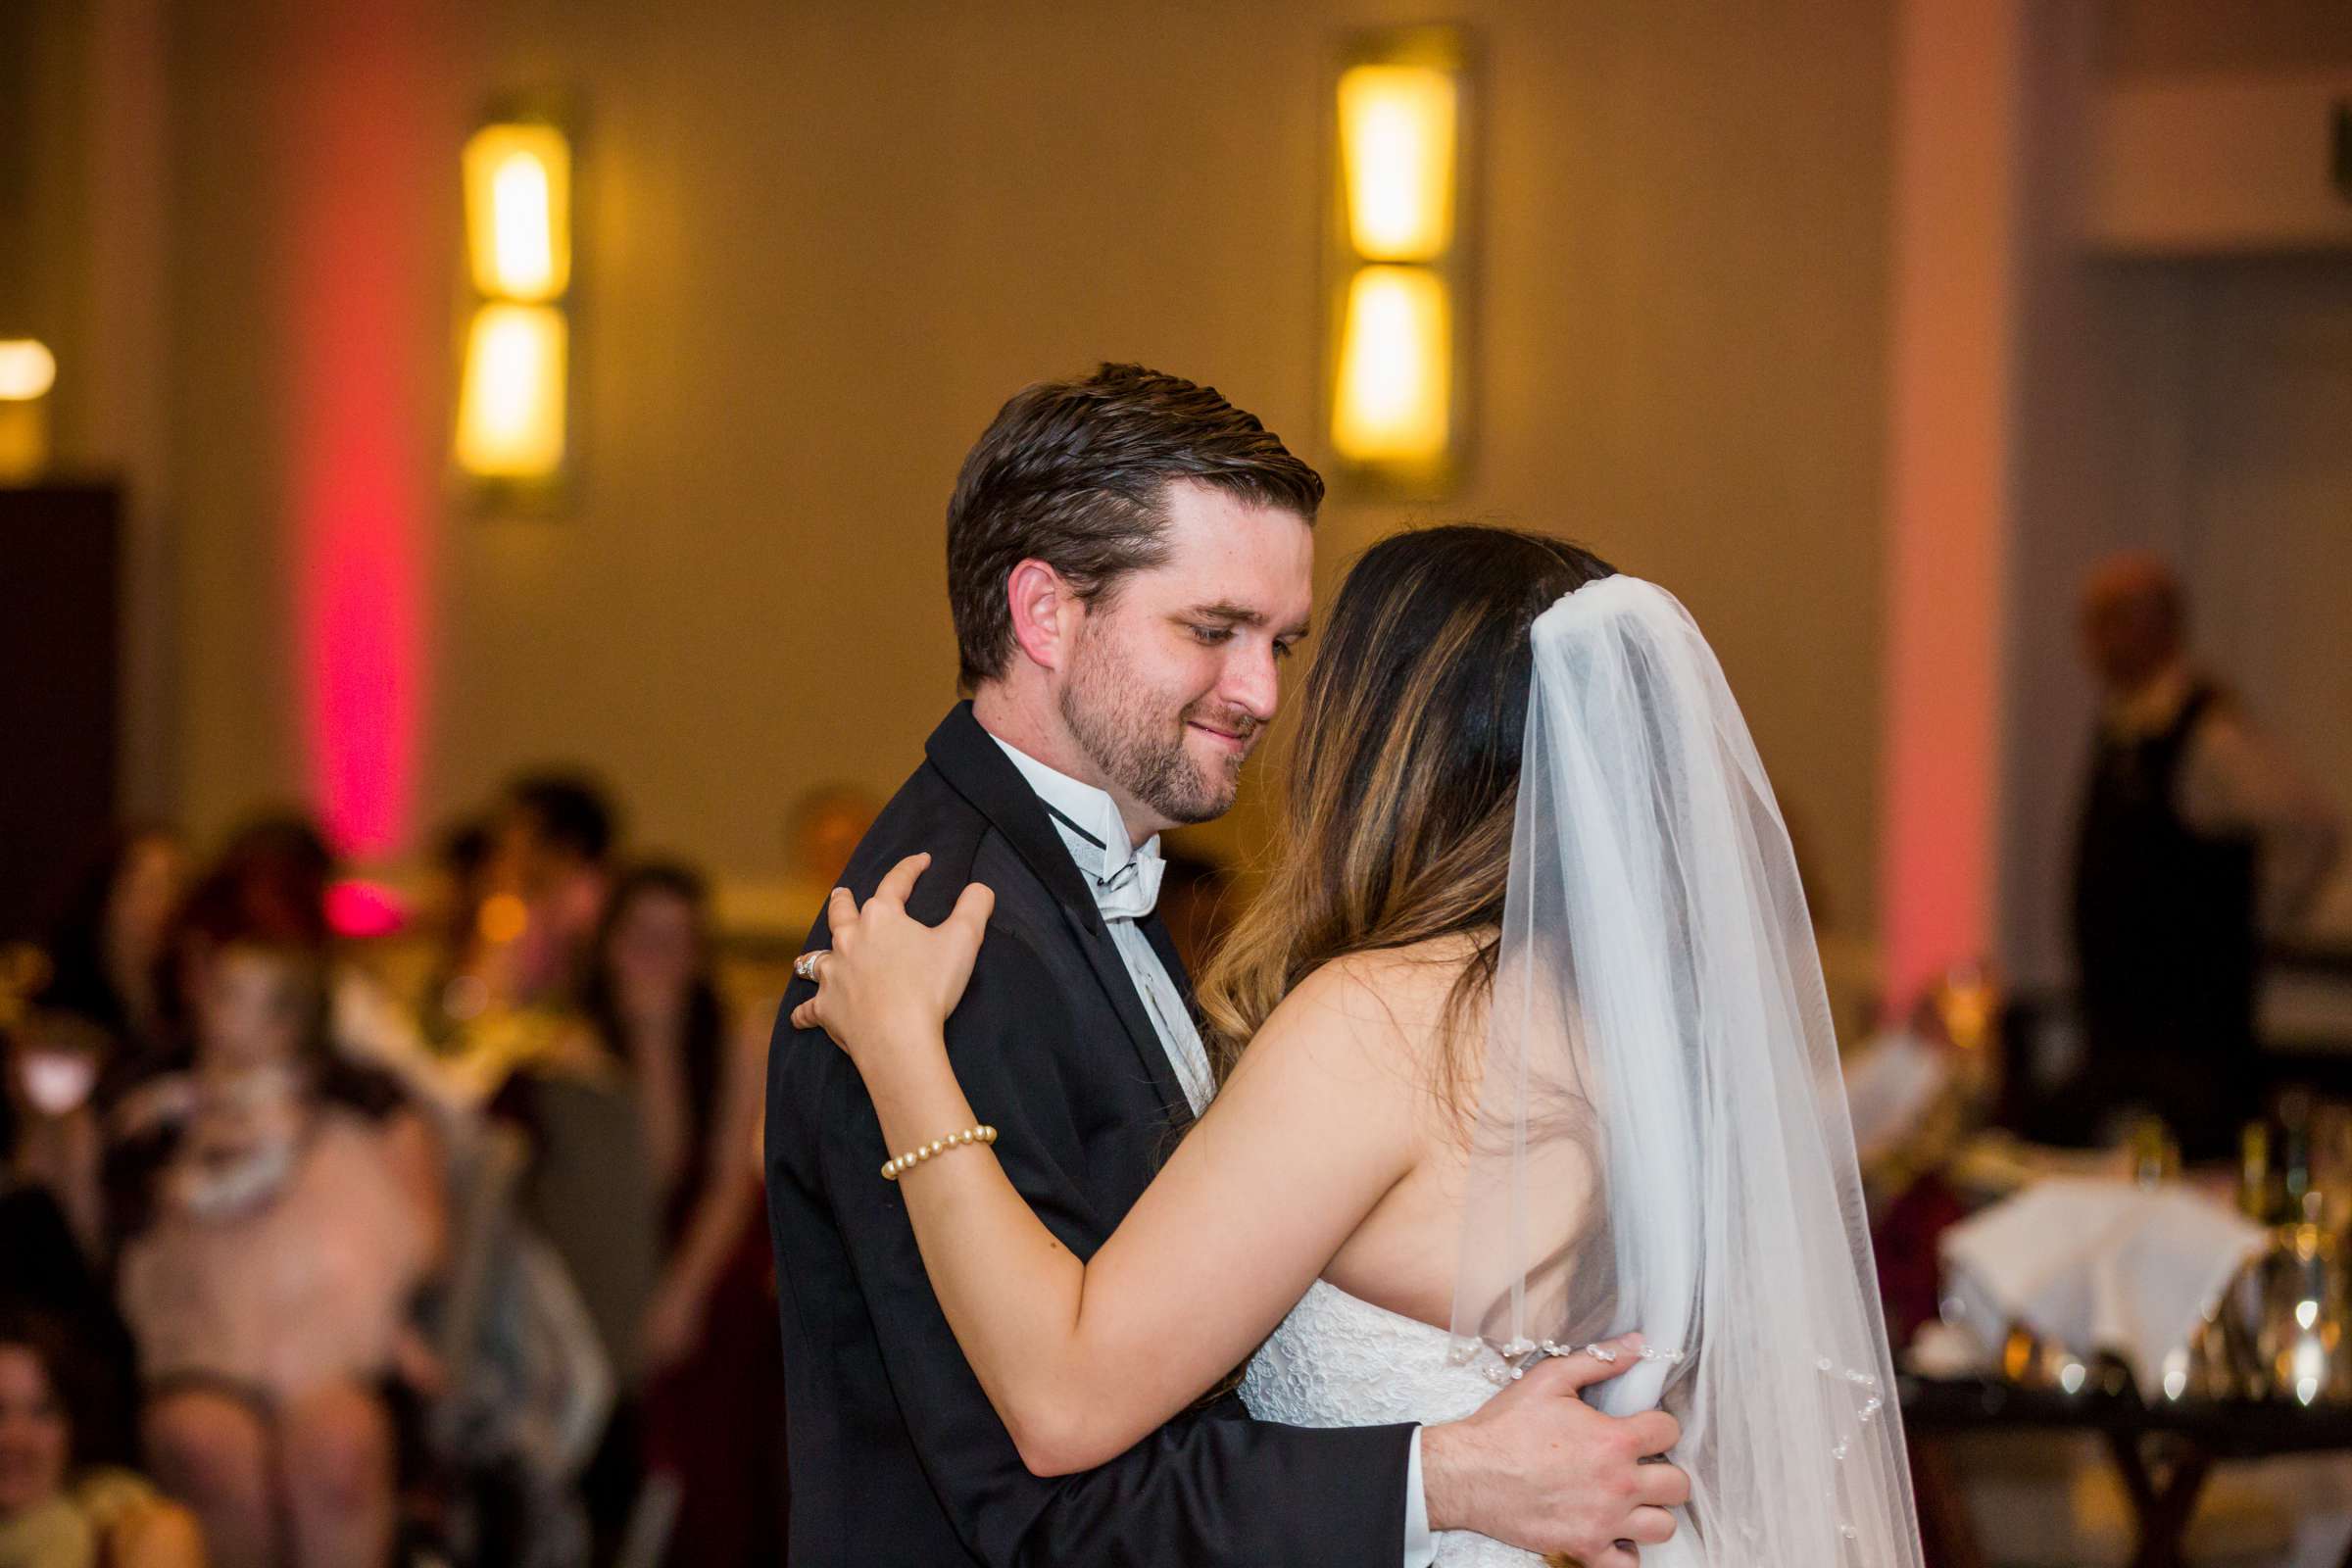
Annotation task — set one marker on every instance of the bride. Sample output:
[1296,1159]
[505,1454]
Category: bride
[1522,1046]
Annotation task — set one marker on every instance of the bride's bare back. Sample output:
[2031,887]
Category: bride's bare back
[1377,1026]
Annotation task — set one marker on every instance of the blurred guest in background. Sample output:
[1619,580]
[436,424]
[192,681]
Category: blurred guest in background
[287,1208]
[713,1403]
[461,884]
[2197,838]
[56,1248]
[104,951]
[51,1138]
[553,840]
[281,871]
[57,1511]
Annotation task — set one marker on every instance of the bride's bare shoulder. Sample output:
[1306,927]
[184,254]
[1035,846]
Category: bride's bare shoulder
[1395,1003]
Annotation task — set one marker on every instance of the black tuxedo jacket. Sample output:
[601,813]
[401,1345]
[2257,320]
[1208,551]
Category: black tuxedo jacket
[897,1456]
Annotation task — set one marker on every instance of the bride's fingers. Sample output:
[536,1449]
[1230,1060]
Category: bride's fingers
[973,906]
[841,910]
[899,885]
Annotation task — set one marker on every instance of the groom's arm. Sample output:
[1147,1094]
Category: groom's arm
[1210,1487]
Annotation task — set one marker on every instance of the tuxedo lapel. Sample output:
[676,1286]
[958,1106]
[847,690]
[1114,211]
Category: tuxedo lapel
[969,758]
[1103,954]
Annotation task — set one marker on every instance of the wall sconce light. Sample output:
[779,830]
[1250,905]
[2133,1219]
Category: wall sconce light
[1398,261]
[27,370]
[513,401]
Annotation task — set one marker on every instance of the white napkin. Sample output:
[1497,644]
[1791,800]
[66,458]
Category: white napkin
[2098,1264]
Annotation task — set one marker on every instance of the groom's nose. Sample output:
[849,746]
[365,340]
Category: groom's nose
[1253,680]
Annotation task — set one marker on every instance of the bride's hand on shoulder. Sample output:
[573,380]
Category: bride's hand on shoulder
[889,982]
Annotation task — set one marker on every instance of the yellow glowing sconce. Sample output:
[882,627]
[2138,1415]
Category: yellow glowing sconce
[1398,125]
[1396,373]
[1399,261]
[27,370]
[519,211]
[513,401]
[510,409]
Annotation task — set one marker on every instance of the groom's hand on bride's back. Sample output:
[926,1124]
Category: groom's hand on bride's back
[1540,1468]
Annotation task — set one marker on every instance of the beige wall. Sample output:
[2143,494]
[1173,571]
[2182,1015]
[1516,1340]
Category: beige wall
[819,244]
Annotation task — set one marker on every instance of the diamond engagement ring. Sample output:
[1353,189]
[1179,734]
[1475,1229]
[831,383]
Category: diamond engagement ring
[805,967]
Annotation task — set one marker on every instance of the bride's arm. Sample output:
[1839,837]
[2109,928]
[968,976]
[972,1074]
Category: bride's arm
[1083,1358]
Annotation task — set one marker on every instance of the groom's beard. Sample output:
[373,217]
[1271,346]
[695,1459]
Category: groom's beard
[1128,732]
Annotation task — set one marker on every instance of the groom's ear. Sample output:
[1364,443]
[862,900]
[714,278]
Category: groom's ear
[1044,612]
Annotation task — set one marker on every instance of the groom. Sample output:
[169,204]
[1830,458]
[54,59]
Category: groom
[1129,560]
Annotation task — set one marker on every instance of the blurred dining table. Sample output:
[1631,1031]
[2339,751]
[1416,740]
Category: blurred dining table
[2163,1450]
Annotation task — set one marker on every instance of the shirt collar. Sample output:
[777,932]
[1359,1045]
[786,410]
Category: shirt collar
[1087,818]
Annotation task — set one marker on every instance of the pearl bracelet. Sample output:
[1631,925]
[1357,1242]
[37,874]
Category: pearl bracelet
[893,1169]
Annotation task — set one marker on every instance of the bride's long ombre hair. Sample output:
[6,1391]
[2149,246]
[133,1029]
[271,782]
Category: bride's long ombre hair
[1402,773]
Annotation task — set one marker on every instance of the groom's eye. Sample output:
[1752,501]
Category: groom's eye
[1212,636]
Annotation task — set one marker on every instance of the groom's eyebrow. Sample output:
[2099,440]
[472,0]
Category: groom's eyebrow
[1226,610]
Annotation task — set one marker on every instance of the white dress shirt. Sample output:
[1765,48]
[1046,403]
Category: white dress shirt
[1125,879]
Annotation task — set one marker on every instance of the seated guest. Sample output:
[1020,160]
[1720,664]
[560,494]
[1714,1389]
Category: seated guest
[282,872]
[54,1512]
[2198,838]
[290,1209]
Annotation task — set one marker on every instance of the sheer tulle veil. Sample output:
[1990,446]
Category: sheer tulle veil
[1662,1141]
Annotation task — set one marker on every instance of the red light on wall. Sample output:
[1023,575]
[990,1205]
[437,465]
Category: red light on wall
[357,910]
[366,295]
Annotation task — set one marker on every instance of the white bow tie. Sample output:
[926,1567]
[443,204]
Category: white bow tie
[1133,891]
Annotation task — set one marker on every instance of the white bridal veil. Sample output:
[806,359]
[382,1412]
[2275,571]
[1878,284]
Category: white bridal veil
[1663,1142]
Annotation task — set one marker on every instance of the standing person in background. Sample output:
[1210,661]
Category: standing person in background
[713,1406]
[554,839]
[2198,839]
[527,887]
[104,950]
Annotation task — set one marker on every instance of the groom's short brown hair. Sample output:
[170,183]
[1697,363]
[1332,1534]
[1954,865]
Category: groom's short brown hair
[1076,475]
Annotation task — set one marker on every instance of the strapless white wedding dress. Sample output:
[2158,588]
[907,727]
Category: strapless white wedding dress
[1339,1361]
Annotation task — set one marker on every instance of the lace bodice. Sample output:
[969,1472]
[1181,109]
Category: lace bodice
[1339,1361]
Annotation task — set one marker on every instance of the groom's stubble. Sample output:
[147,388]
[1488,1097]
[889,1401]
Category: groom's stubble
[1135,734]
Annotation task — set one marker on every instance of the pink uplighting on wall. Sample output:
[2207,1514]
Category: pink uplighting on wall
[359,910]
[360,483]
[1950,466]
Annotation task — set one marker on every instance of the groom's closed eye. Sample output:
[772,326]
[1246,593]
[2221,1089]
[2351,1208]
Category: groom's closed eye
[1212,626]
[1218,636]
